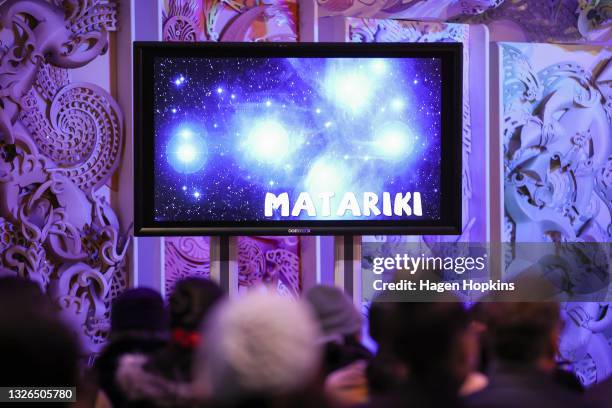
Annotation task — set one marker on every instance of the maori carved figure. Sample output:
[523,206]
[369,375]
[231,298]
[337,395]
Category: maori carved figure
[60,143]
[230,20]
[45,32]
[557,148]
[557,138]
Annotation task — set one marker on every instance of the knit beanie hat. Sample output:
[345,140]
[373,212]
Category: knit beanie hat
[139,311]
[259,345]
[335,312]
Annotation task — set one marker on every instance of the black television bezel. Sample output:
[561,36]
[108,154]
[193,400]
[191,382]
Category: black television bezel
[450,220]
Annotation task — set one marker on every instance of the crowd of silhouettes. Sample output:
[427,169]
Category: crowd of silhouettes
[202,349]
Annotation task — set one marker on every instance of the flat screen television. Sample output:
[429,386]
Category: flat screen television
[286,139]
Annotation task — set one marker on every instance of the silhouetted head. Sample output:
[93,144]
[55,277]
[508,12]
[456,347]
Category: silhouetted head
[36,347]
[523,332]
[336,313]
[139,312]
[190,302]
[431,339]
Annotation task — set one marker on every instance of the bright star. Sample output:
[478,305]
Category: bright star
[186,151]
[185,133]
[268,141]
[397,104]
[394,140]
[350,90]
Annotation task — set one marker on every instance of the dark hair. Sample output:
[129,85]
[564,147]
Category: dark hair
[428,329]
[139,312]
[339,354]
[520,331]
[380,319]
[190,302]
[139,325]
[385,371]
[423,337]
[36,347]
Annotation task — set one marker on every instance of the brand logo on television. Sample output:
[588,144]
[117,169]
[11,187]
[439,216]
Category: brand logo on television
[298,230]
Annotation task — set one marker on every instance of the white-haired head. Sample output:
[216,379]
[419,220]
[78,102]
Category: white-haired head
[260,344]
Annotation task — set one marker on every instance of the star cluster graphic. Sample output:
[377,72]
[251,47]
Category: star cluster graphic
[229,130]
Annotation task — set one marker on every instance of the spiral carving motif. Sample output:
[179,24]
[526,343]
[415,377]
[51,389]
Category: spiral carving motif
[83,135]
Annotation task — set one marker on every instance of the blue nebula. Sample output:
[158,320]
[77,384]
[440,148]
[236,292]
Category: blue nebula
[230,130]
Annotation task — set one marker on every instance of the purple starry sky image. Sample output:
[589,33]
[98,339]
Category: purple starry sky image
[230,130]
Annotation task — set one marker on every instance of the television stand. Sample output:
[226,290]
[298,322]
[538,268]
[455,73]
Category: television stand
[346,267]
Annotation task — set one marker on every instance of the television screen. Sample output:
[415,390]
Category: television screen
[294,138]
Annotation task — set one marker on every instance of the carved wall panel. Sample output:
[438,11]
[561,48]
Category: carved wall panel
[537,20]
[557,158]
[551,21]
[218,20]
[273,261]
[406,10]
[60,142]
[184,257]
